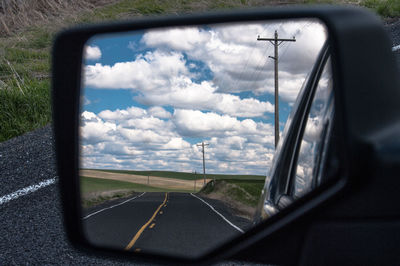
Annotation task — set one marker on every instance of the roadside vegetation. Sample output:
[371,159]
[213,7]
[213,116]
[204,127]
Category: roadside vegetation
[27,29]
[385,8]
[244,191]
[241,195]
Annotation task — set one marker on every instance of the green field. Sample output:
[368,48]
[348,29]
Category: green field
[90,185]
[183,175]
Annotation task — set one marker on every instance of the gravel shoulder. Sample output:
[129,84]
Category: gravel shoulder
[27,160]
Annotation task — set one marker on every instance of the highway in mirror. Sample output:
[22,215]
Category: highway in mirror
[177,130]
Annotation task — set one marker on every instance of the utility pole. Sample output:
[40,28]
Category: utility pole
[276,42]
[204,164]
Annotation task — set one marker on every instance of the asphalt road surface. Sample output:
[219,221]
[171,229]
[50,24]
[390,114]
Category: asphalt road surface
[181,224]
[31,225]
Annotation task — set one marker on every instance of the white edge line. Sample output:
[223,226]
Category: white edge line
[26,190]
[223,217]
[395,48]
[96,212]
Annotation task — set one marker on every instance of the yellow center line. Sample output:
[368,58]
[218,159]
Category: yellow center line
[136,237]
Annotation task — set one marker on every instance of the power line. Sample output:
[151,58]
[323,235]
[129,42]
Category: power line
[223,81]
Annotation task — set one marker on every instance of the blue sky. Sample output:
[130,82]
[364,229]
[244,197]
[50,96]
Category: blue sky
[150,97]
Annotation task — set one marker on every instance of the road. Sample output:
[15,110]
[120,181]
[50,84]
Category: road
[31,225]
[181,224]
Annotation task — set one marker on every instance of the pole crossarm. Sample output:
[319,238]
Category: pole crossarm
[276,42]
[279,40]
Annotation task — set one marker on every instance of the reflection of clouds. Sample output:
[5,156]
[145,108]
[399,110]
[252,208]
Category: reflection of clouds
[304,171]
[92,53]
[223,53]
[133,138]
[185,94]
[189,80]
[236,64]
[95,130]
[313,130]
[270,186]
[318,122]
[164,79]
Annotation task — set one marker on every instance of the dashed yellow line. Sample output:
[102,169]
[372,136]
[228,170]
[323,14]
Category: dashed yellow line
[136,237]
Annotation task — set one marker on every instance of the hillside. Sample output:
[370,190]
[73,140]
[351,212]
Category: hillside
[240,195]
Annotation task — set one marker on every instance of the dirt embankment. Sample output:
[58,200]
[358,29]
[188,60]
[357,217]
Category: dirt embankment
[222,190]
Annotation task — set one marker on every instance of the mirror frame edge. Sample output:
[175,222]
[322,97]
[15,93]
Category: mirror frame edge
[66,64]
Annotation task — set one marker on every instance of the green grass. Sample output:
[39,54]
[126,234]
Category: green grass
[129,8]
[252,187]
[244,191]
[385,8]
[24,107]
[183,175]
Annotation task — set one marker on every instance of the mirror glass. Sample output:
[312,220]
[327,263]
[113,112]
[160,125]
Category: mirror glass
[308,157]
[177,129]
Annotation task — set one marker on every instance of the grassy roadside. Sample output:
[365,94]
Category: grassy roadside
[385,8]
[242,196]
[25,50]
[246,192]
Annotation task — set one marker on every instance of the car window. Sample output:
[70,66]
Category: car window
[312,153]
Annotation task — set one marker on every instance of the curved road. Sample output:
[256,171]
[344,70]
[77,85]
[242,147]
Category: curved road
[180,224]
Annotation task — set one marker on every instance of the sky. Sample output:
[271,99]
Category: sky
[150,97]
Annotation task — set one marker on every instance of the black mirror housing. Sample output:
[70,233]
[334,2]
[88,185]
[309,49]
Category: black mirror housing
[366,149]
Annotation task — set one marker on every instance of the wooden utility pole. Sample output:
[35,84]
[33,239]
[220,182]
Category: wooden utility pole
[276,42]
[204,164]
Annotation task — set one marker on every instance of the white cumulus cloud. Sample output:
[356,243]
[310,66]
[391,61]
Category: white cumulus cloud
[92,53]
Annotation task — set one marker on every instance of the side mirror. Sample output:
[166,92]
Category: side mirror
[164,129]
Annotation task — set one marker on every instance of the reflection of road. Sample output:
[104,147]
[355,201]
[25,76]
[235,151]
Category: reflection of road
[175,223]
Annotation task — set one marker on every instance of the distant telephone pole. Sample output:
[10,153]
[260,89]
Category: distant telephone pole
[276,42]
[202,145]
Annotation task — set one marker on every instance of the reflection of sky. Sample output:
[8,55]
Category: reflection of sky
[234,116]
[321,113]
[117,48]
